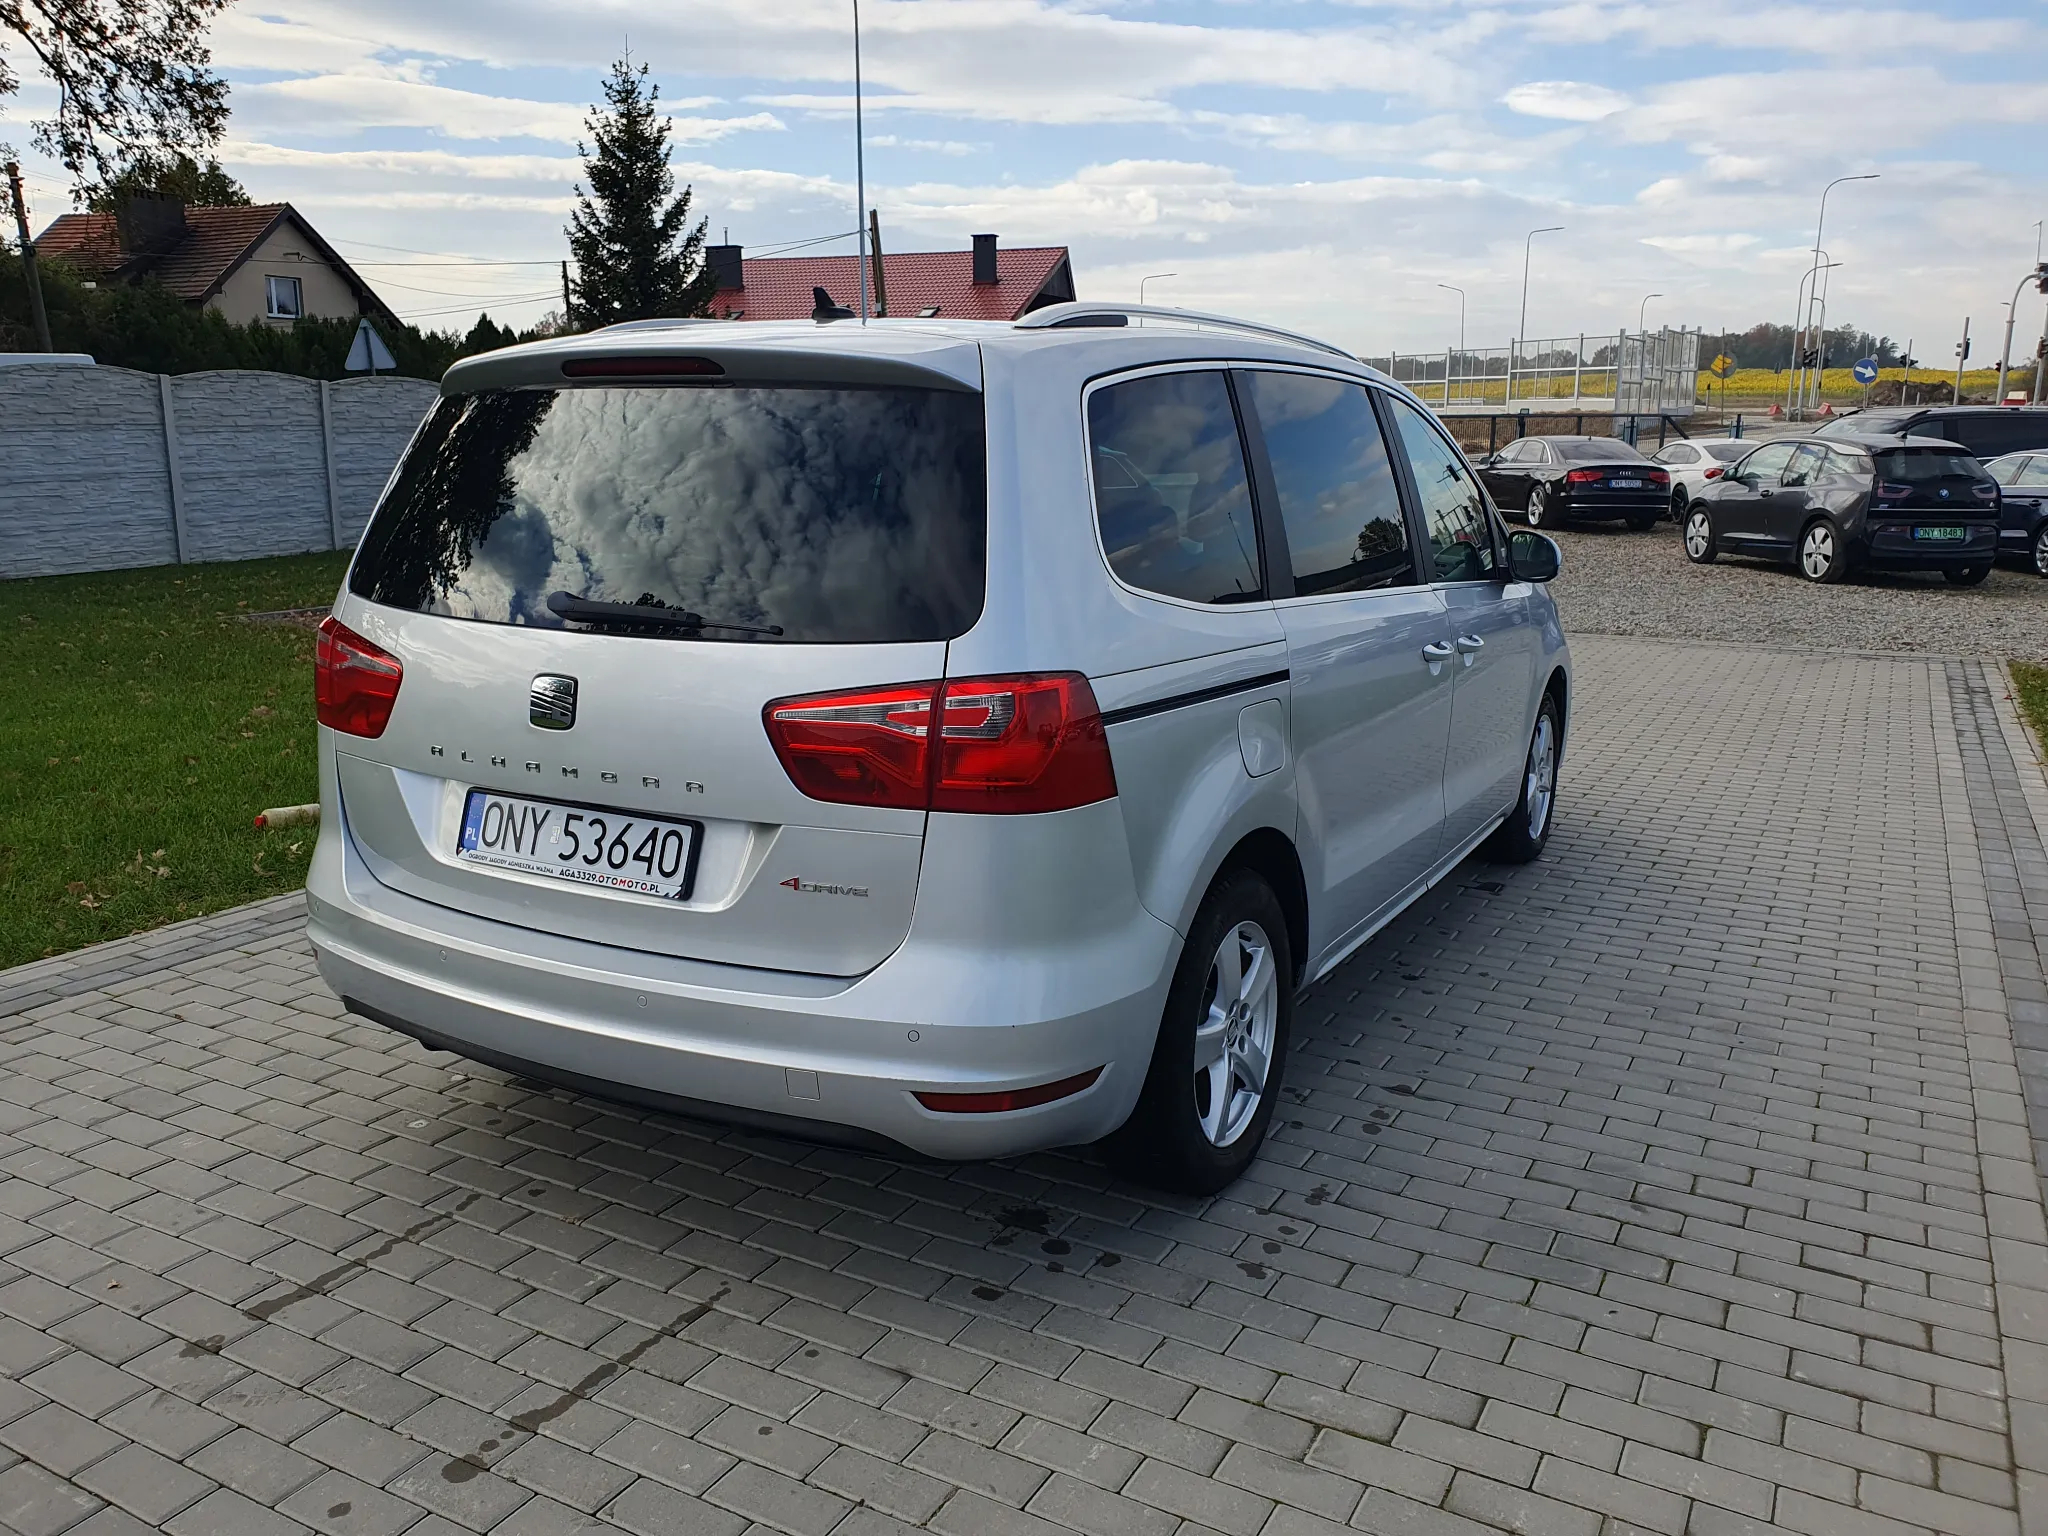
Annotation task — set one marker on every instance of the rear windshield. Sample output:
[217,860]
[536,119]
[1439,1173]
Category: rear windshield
[1864,421]
[1908,465]
[1728,453]
[834,514]
[1595,450]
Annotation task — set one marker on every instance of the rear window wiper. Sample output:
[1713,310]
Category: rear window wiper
[649,612]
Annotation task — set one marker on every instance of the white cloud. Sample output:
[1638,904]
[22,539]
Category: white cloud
[1571,100]
[342,103]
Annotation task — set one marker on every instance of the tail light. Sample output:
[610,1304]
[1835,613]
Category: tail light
[1658,477]
[1716,472]
[1886,491]
[355,683]
[1009,1099]
[1005,745]
[1584,476]
[1984,491]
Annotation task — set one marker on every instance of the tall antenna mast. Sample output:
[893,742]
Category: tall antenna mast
[860,173]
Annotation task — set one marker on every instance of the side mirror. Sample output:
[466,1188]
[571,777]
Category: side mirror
[1533,557]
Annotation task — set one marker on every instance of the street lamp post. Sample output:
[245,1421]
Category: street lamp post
[1149,278]
[2012,310]
[1642,310]
[1802,322]
[1454,288]
[1522,325]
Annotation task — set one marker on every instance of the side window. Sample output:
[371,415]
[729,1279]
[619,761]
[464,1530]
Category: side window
[2006,471]
[2036,472]
[1767,463]
[1519,452]
[1847,461]
[1172,497]
[1461,542]
[1807,465]
[1539,453]
[1339,501]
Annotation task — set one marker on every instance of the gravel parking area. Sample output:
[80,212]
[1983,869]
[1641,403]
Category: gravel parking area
[1621,583]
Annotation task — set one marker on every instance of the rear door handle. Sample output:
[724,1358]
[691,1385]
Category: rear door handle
[1470,643]
[1437,653]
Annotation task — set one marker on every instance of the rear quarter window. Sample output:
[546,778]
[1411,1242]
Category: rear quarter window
[839,515]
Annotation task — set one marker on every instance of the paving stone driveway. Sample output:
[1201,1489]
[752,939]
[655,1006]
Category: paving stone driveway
[1680,1183]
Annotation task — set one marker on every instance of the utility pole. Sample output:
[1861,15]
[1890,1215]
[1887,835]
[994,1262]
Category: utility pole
[1962,356]
[860,172]
[28,260]
[875,245]
[568,304]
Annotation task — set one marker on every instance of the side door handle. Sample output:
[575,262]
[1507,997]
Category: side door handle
[1470,643]
[1437,653]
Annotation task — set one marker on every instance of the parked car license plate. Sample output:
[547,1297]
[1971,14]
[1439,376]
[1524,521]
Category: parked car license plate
[1944,535]
[1626,485]
[620,851]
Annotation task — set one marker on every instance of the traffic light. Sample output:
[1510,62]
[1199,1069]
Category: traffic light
[1963,349]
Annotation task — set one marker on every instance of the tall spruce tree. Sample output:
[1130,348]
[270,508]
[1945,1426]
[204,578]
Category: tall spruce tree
[637,256]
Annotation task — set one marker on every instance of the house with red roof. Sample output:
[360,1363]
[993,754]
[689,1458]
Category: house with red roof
[984,283]
[257,263]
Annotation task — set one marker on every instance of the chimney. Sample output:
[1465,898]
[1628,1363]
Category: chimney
[725,262]
[985,261]
[150,223]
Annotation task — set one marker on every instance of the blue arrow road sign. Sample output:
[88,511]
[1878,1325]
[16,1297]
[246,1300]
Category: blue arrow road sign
[1865,370]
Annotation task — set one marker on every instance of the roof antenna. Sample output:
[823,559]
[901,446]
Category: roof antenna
[860,174]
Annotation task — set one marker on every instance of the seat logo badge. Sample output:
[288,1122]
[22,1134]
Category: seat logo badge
[551,704]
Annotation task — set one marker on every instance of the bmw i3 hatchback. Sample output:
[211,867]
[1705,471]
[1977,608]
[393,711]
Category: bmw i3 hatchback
[960,737]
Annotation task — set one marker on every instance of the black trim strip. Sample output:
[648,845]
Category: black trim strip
[1198,696]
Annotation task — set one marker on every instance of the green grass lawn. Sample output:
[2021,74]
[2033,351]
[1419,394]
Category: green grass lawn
[142,727]
[2030,687]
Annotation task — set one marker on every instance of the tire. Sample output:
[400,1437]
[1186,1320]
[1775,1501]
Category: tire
[1538,513]
[1194,1129]
[1520,838]
[1702,543]
[2041,549]
[1823,557]
[1968,576]
[1679,503]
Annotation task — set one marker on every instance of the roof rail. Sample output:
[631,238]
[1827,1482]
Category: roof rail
[1077,315]
[658,325]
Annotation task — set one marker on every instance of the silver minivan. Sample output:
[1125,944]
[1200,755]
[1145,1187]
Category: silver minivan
[955,736]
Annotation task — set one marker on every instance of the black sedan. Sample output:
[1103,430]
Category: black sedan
[1835,504]
[2023,532]
[1550,479]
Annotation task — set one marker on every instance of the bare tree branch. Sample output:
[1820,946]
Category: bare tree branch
[133,84]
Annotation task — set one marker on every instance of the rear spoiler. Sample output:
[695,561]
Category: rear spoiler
[728,353]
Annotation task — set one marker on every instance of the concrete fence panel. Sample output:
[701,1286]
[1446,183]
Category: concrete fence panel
[372,420]
[105,469]
[84,482]
[251,466]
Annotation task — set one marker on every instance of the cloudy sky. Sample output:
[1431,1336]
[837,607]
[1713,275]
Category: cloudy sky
[1316,163]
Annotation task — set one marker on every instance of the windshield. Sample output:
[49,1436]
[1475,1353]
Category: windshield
[1912,465]
[832,514]
[1596,450]
[1727,453]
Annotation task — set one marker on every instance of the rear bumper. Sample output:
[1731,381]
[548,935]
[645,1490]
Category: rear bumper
[1650,504]
[1897,552]
[834,1058]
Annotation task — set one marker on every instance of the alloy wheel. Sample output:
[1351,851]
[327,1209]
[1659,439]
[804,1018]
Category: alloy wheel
[1699,535]
[2041,550]
[1817,552]
[1539,784]
[1234,1041]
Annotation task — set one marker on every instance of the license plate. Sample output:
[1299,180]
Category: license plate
[1626,485]
[616,850]
[1943,535]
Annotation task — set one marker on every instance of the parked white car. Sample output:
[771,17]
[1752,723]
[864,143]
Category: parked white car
[1695,463]
[934,734]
